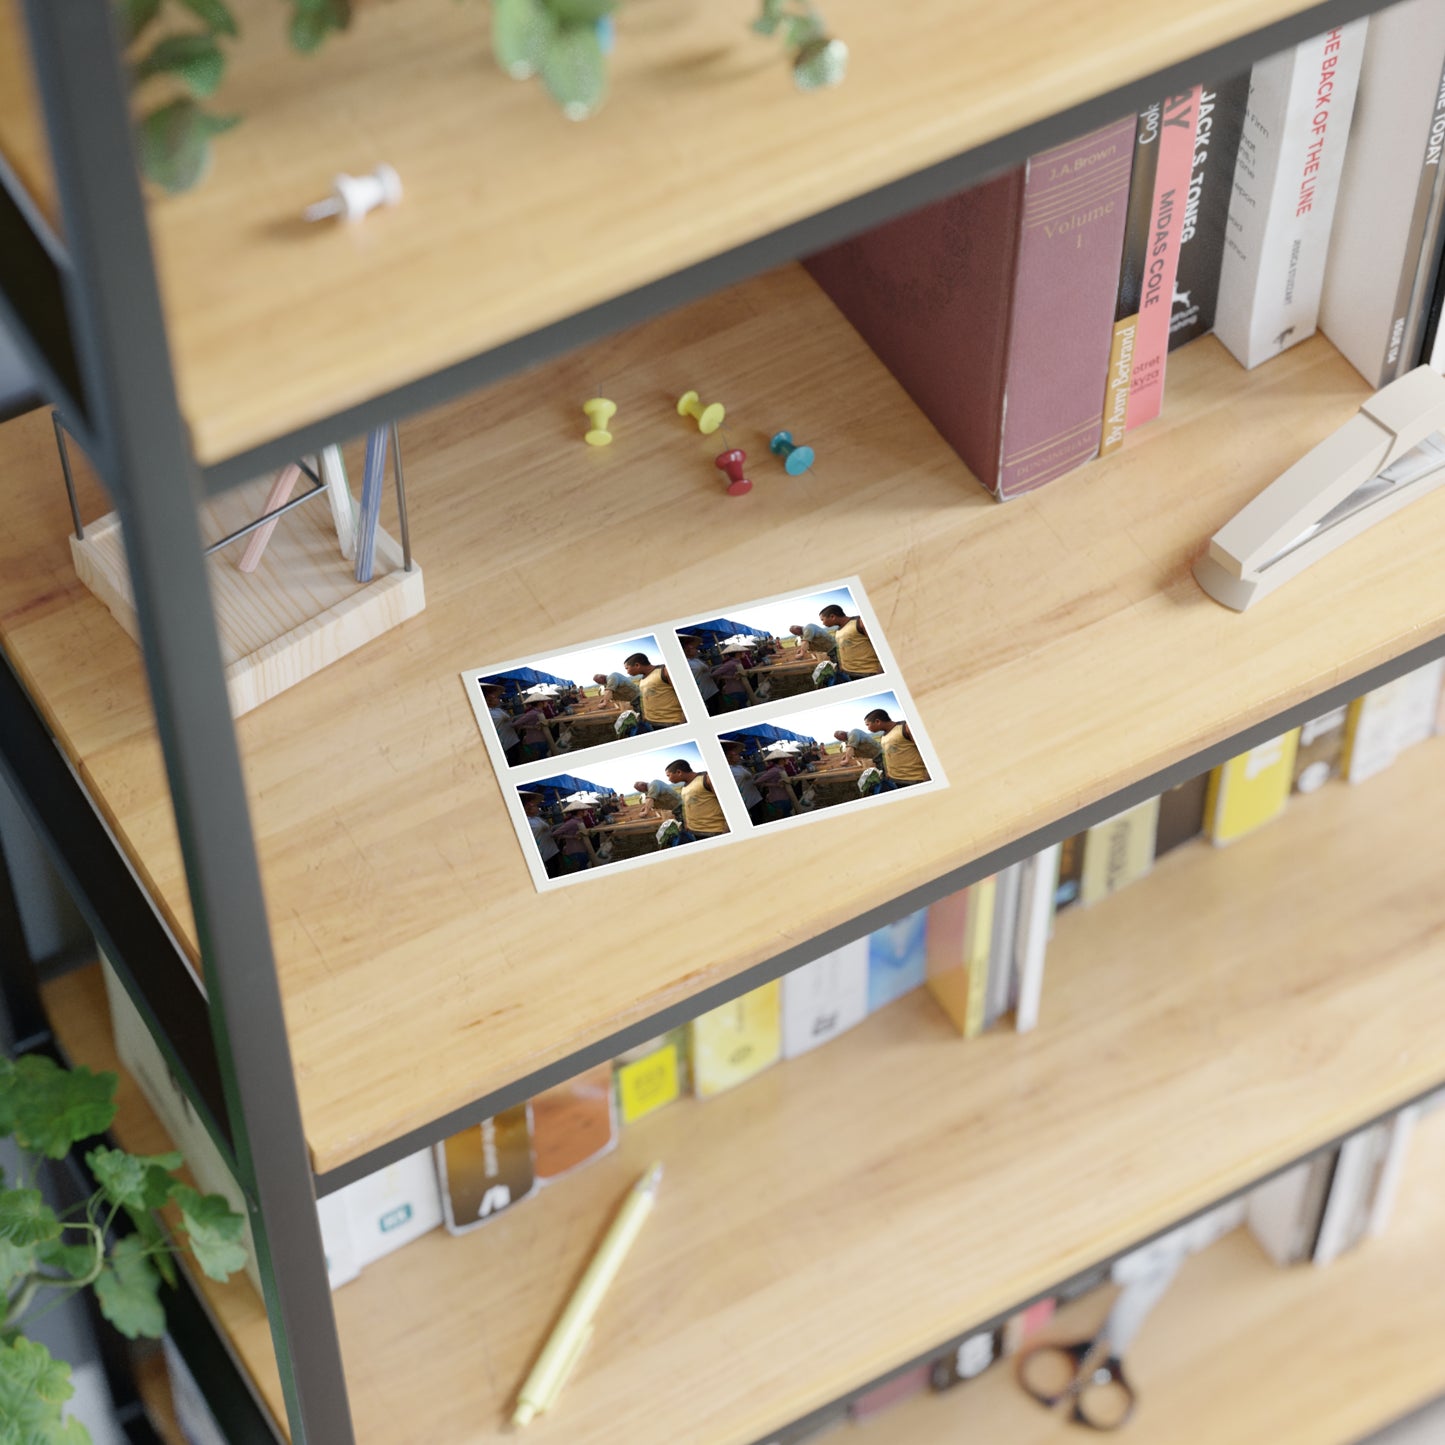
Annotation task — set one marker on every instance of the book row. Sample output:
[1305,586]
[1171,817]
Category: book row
[1031,317]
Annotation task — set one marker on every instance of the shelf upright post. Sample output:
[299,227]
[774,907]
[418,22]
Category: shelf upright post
[143,452]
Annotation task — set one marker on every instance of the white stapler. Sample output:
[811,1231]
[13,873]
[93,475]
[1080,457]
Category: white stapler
[1390,453]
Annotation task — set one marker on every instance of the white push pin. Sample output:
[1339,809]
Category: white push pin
[353,196]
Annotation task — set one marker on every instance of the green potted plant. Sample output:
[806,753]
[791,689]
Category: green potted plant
[46,1256]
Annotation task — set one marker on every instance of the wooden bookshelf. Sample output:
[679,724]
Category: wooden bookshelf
[23,146]
[1057,648]
[703,145]
[1243,1351]
[848,1211]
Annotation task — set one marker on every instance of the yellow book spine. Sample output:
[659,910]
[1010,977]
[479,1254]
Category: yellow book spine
[648,1081]
[980,940]
[1116,395]
[1251,790]
[734,1042]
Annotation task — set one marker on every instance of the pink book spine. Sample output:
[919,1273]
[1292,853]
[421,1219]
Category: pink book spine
[1171,191]
[1057,361]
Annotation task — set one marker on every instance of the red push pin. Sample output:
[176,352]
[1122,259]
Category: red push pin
[731,462]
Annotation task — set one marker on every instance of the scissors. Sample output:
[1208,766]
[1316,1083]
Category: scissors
[1089,1374]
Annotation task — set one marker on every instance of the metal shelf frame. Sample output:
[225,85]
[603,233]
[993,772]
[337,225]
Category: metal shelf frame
[87,313]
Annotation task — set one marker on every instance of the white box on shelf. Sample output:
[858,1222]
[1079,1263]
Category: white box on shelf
[825,998]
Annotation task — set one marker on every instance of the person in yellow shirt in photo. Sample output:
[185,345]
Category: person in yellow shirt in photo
[903,764]
[851,645]
[660,705]
[702,814]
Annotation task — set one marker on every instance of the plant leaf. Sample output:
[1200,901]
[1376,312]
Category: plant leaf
[25,1218]
[133,1180]
[135,15]
[16,1261]
[55,1108]
[215,15]
[769,17]
[9,1085]
[581,12]
[33,1389]
[156,1241]
[820,63]
[74,1261]
[195,60]
[313,20]
[128,1290]
[574,70]
[522,30]
[214,1229]
[803,30]
[175,145]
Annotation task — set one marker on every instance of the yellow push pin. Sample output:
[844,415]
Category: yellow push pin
[709,418]
[599,411]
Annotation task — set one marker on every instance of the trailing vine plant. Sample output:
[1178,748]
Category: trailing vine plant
[45,1256]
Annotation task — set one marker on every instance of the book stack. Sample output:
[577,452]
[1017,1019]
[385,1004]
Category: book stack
[1031,317]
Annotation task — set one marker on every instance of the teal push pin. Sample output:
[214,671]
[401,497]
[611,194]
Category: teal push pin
[796,460]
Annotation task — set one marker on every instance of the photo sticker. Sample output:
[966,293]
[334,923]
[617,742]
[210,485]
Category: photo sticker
[564,705]
[642,806]
[771,651]
[830,755]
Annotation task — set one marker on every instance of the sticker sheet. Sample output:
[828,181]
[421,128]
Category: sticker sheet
[700,732]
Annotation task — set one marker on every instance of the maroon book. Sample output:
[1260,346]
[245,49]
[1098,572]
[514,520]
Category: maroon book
[995,307]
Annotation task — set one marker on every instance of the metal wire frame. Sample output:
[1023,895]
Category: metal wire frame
[62,431]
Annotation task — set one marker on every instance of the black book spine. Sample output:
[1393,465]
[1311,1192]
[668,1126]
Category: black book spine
[1139,219]
[1206,211]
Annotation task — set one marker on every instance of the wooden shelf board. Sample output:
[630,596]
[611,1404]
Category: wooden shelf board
[847,1211]
[514,218]
[1243,1351]
[22,127]
[1057,649]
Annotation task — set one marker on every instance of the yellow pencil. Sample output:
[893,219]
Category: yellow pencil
[573,1330]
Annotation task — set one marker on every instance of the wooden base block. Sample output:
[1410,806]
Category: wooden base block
[300,610]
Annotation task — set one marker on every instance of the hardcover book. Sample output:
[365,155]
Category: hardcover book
[1206,209]
[737,1040]
[993,307]
[1129,292]
[1251,790]
[1387,192]
[1180,116]
[897,962]
[486,1169]
[573,1123]
[1118,851]
[825,998]
[1286,180]
[1181,814]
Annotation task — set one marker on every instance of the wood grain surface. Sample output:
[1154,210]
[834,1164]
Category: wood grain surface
[846,1211]
[514,217]
[1057,647]
[1243,1351]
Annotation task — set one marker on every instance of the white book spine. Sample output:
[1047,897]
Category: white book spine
[1286,182]
[1036,918]
[824,998]
[1351,1178]
[1387,190]
[1002,945]
[1387,1186]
